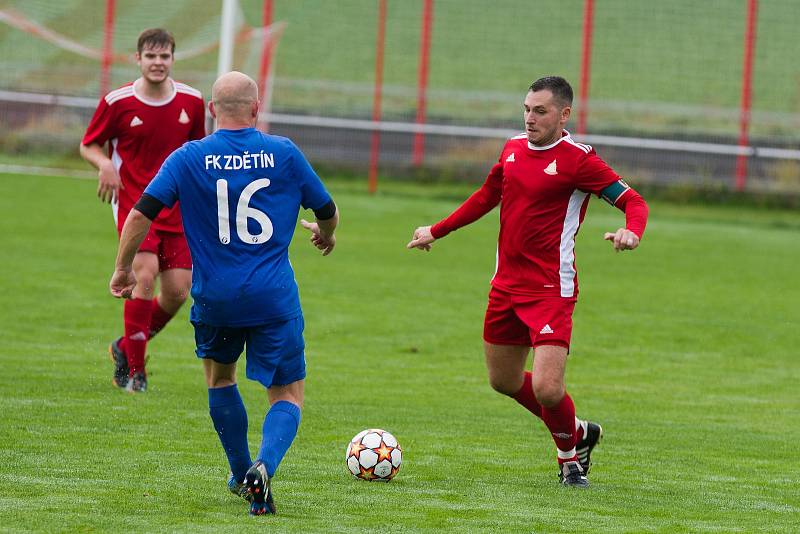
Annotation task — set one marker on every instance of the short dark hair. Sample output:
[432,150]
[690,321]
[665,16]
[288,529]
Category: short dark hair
[557,85]
[155,38]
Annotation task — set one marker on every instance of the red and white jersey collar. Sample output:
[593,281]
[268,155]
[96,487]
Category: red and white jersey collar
[155,103]
[564,135]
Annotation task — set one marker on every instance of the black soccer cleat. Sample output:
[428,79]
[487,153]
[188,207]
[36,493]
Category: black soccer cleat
[137,383]
[120,362]
[571,474]
[257,483]
[584,448]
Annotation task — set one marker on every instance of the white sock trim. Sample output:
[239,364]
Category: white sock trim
[562,455]
[581,424]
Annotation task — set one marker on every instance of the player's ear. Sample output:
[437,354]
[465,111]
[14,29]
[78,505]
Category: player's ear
[565,113]
[211,109]
[254,109]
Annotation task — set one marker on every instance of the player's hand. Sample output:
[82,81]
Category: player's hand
[322,242]
[122,284]
[109,182]
[623,239]
[422,238]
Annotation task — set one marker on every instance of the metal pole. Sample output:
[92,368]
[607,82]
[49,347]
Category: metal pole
[747,83]
[226,36]
[375,149]
[422,80]
[108,49]
[586,64]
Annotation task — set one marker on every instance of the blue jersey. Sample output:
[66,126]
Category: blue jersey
[240,193]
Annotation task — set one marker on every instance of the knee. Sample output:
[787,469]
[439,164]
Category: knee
[548,393]
[214,382]
[504,385]
[146,283]
[177,295]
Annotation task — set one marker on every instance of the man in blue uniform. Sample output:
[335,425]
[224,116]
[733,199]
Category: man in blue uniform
[240,193]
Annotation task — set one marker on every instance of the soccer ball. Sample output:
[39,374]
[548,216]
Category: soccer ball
[373,454]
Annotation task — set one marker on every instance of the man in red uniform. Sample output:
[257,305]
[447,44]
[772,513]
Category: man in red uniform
[143,122]
[543,179]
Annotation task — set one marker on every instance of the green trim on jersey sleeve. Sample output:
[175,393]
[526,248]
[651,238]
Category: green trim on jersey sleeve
[612,193]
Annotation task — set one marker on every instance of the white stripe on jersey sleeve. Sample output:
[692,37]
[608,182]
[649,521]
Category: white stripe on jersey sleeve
[186,89]
[567,246]
[119,94]
[585,148]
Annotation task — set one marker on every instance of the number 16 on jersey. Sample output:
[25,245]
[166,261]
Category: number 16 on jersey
[243,213]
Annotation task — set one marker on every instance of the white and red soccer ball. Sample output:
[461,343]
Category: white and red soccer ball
[374,454]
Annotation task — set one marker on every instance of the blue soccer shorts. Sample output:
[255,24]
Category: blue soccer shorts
[275,352]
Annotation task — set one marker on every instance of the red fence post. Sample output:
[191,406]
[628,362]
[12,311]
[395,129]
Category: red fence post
[266,56]
[747,80]
[586,64]
[422,80]
[108,49]
[376,101]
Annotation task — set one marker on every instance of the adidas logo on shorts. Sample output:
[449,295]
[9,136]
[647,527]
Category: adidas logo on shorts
[546,330]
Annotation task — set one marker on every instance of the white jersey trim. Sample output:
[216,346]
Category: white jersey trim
[155,103]
[116,160]
[119,94]
[585,148]
[548,147]
[567,246]
[188,90]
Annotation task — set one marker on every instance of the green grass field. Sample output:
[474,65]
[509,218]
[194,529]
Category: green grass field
[685,350]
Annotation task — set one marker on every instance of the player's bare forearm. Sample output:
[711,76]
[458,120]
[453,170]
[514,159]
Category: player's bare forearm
[109,182]
[94,154]
[133,233]
[327,226]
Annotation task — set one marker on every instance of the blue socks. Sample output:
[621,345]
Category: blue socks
[278,432]
[230,421]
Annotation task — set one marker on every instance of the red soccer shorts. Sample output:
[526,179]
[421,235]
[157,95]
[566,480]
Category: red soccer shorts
[528,321]
[170,247]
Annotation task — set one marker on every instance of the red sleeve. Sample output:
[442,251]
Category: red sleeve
[593,174]
[101,127]
[636,211]
[198,122]
[476,206]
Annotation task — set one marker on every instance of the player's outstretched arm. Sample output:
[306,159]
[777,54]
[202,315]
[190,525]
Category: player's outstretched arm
[108,181]
[422,239]
[322,232]
[636,211]
[133,233]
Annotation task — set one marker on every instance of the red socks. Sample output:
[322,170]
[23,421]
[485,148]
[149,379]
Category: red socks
[158,319]
[560,420]
[137,314]
[526,397]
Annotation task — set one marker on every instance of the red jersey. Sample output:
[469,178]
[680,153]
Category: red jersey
[141,134]
[544,193]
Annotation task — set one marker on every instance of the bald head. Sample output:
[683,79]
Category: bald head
[234,95]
